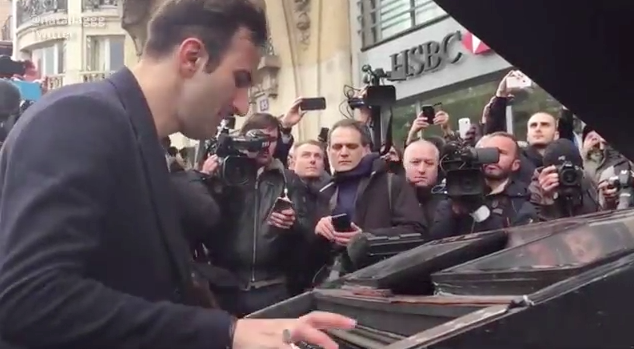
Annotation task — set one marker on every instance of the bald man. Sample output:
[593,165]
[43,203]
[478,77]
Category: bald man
[421,160]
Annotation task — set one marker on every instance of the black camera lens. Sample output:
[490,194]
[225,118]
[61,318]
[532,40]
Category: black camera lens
[569,176]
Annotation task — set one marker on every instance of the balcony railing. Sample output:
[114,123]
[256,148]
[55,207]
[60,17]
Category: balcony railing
[54,82]
[94,76]
[28,10]
[96,4]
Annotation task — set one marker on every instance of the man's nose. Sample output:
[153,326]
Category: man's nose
[241,102]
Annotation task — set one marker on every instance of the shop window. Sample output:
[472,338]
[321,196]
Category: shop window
[469,103]
[466,102]
[402,116]
[382,19]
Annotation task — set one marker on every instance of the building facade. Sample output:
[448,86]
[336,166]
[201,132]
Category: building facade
[308,55]
[435,61]
[70,41]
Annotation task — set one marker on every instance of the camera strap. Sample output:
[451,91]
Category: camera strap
[390,180]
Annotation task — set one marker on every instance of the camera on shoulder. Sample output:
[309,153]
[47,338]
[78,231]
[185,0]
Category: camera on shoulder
[462,167]
[237,153]
[465,182]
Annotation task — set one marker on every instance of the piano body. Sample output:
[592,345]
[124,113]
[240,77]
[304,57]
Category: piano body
[560,284]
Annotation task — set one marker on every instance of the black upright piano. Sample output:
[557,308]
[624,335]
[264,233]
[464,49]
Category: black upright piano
[566,284]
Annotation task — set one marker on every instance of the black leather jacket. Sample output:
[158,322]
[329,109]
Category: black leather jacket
[245,243]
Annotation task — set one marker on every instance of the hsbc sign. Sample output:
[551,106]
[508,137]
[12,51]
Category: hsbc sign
[427,57]
[474,44]
[433,56]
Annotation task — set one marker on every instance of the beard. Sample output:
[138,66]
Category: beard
[498,175]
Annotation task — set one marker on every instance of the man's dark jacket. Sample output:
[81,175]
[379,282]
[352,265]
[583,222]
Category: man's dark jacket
[250,247]
[91,253]
[372,210]
[509,208]
[549,209]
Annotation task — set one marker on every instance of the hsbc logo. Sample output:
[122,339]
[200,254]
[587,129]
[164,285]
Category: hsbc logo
[473,44]
[427,57]
[433,56]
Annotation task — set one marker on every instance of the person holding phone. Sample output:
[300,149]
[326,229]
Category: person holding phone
[288,120]
[426,118]
[355,198]
[265,229]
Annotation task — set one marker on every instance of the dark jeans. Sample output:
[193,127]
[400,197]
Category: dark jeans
[241,303]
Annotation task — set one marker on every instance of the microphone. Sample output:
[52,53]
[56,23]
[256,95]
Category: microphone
[358,248]
[562,151]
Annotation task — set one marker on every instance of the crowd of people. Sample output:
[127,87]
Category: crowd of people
[272,256]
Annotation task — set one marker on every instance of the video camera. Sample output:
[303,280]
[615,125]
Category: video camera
[376,94]
[9,68]
[624,183]
[236,153]
[376,97]
[462,167]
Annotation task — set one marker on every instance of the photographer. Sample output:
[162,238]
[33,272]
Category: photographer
[561,188]
[505,203]
[258,239]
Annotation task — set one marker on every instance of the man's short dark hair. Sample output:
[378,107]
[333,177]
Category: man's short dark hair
[311,142]
[366,139]
[214,22]
[260,121]
[508,136]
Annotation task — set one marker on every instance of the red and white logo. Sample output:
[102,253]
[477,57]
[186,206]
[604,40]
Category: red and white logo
[474,44]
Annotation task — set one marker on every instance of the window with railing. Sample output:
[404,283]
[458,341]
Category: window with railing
[382,19]
[105,53]
[49,59]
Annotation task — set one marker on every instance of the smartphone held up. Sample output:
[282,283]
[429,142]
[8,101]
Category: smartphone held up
[518,80]
[316,103]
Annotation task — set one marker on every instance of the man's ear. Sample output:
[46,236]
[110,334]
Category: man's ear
[556,135]
[516,165]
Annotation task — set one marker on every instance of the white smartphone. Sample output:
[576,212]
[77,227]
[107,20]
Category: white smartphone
[464,125]
[518,80]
